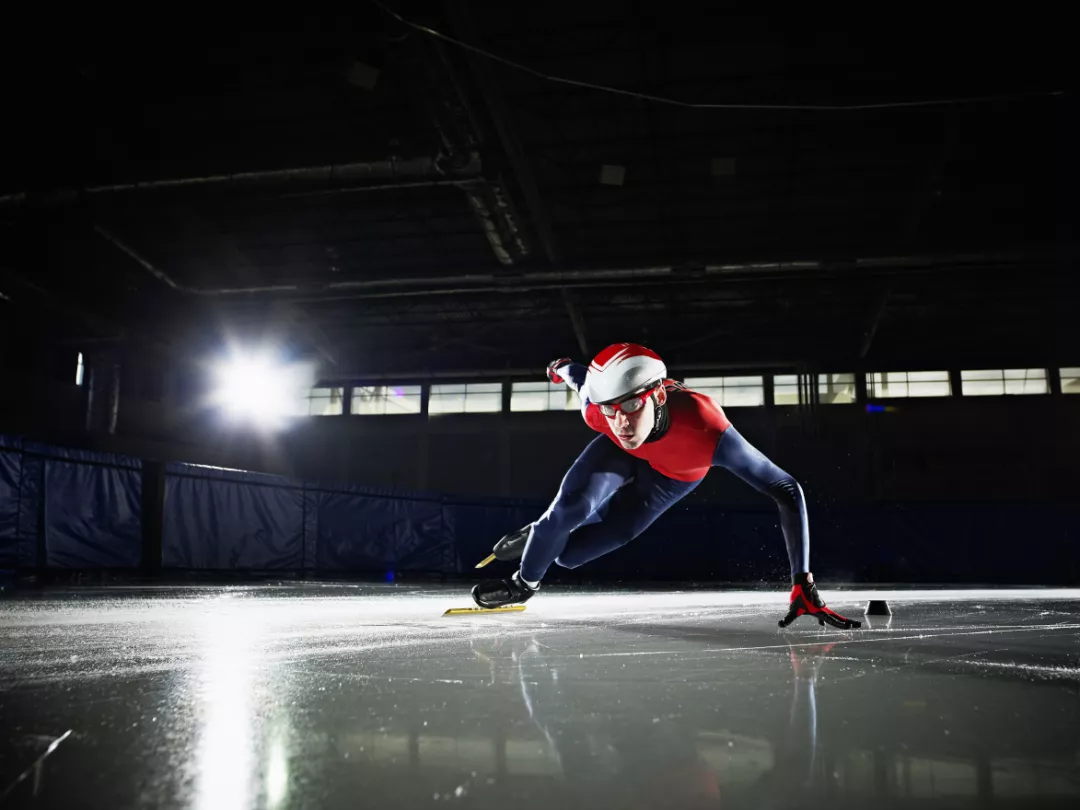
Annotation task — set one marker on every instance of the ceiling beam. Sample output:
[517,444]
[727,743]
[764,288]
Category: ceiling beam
[412,172]
[499,113]
[573,309]
[871,331]
[461,19]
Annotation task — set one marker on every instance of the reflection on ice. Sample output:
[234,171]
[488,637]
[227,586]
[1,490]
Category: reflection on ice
[226,677]
[277,772]
[366,696]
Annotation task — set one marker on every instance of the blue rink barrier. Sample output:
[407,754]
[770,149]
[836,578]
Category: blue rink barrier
[230,519]
[356,528]
[66,509]
[10,485]
[73,509]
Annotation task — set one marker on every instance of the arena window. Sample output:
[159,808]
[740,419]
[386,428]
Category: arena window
[465,398]
[998,381]
[1070,380]
[385,400]
[894,384]
[542,396]
[734,392]
[836,389]
[324,402]
[833,389]
[785,389]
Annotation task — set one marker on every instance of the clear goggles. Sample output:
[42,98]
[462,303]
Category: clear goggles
[632,404]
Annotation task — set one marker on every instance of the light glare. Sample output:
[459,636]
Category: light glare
[259,390]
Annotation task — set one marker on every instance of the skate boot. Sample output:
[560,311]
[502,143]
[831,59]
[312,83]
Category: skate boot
[509,548]
[805,600]
[512,546]
[493,593]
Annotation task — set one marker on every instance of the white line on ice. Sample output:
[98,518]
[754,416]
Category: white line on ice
[1068,672]
[826,639]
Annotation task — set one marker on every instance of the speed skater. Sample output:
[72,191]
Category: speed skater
[658,441]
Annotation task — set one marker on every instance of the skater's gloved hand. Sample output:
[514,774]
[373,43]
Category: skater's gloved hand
[806,601]
[553,369]
[833,618]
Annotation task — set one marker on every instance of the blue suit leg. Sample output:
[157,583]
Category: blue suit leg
[631,511]
[599,472]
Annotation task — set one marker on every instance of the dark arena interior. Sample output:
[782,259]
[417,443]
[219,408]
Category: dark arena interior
[299,321]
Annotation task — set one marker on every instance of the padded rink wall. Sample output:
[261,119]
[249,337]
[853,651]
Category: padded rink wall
[77,510]
[230,519]
[68,508]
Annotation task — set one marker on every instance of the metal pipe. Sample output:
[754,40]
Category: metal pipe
[114,399]
[90,398]
[165,278]
[492,282]
[521,282]
[465,182]
[516,280]
[529,373]
[584,279]
[490,289]
[392,167]
[149,268]
[435,283]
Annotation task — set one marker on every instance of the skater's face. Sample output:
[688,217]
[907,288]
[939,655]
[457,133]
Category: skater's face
[632,429]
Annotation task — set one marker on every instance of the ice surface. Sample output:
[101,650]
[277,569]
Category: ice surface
[366,696]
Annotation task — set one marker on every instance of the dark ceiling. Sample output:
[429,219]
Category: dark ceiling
[366,192]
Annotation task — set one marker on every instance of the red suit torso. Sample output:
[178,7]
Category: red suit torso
[685,452]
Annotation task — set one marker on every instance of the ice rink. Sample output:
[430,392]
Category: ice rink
[367,696]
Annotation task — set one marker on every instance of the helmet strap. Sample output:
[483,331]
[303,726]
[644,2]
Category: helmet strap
[662,423]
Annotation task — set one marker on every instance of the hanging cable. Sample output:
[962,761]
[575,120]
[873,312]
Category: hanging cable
[674,102]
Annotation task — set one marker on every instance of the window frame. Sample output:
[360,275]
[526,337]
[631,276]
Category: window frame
[435,396]
[407,396]
[550,391]
[1068,374]
[1004,379]
[702,386]
[871,393]
[308,399]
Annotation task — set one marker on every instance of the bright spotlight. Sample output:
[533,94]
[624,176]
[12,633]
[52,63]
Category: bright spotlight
[257,389]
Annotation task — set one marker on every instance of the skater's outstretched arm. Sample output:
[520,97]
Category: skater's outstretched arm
[565,370]
[736,454]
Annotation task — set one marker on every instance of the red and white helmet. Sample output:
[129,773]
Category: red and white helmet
[623,369]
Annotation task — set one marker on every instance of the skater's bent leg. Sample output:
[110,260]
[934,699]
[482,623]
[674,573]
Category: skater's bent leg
[597,474]
[631,511]
[626,518]
[736,454]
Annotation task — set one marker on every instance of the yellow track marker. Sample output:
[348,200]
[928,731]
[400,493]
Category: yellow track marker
[488,559]
[472,610]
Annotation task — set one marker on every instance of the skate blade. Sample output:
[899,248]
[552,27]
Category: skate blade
[472,610]
[488,559]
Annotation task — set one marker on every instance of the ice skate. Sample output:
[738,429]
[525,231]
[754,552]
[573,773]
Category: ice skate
[509,548]
[497,593]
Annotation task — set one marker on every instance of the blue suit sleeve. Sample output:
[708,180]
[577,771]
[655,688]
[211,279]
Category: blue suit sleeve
[574,374]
